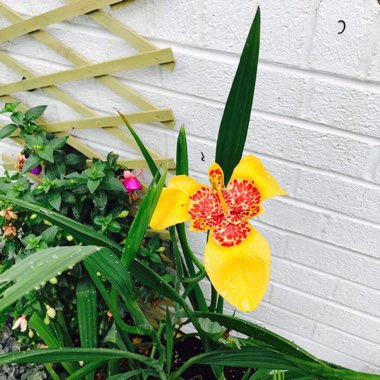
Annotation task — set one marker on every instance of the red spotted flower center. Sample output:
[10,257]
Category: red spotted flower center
[226,211]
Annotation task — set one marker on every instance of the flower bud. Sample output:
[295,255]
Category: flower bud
[31,333]
[53,281]
[33,216]
[50,312]
[47,320]
[69,237]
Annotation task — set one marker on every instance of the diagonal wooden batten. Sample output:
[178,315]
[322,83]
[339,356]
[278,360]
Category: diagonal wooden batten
[118,28]
[122,64]
[66,12]
[103,121]
[79,60]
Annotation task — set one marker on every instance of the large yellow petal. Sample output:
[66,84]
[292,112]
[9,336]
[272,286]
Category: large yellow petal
[251,168]
[240,273]
[172,208]
[184,183]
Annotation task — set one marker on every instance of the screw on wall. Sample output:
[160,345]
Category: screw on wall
[344,25]
[203,156]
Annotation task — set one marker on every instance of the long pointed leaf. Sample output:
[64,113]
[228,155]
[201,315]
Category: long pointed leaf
[234,126]
[87,311]
[259,333]
[73,354]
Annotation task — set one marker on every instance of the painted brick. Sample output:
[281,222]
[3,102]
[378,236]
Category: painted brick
[279,317]
[333,260]
[210,76]
[345,343]
[298,277]
[374,59]
[226,25]
[31,7]
[343,195]
[354,235]
[311,147]
[342,53]
[346,107]
[293,218]
[323,352]
[326,312]
[286,30]
[358,297]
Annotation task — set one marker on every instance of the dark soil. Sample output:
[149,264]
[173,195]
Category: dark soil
[186,349]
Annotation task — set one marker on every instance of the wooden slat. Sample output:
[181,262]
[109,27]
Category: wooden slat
[121,30]
[79,60]
[102,121]
[122,64]
[66,12]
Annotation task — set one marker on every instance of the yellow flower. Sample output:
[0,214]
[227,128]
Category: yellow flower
[237,257]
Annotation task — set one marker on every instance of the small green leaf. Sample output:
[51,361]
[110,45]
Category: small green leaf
[46,153]
[92,184]
[49,234]
[55,200]
[100,200]
[33,141]
[155,257]
[34,113]
[31,162]
[17,117]
[7,130]
[57,143]
[9,107]
[110,182]
[114,226]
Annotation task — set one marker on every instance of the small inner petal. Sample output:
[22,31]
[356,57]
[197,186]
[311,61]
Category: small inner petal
[216,175]
[232,234]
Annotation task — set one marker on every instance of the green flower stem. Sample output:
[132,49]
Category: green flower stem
[220,304]
[177,258]
[188,254]
[51,372]
[186,247]
[214,298]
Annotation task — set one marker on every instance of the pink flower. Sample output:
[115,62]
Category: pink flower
[130,181]
[20,323]
[37,170]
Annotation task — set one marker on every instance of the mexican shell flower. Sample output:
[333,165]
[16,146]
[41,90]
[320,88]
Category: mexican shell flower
[237,257]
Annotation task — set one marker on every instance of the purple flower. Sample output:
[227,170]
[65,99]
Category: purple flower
[130,181]
[37,170]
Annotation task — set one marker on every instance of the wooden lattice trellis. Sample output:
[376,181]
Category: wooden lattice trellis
[149,55]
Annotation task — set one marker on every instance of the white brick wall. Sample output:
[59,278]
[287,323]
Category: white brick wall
[315,124]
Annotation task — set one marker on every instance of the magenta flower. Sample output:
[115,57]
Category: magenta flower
[130,181]
[37,170]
